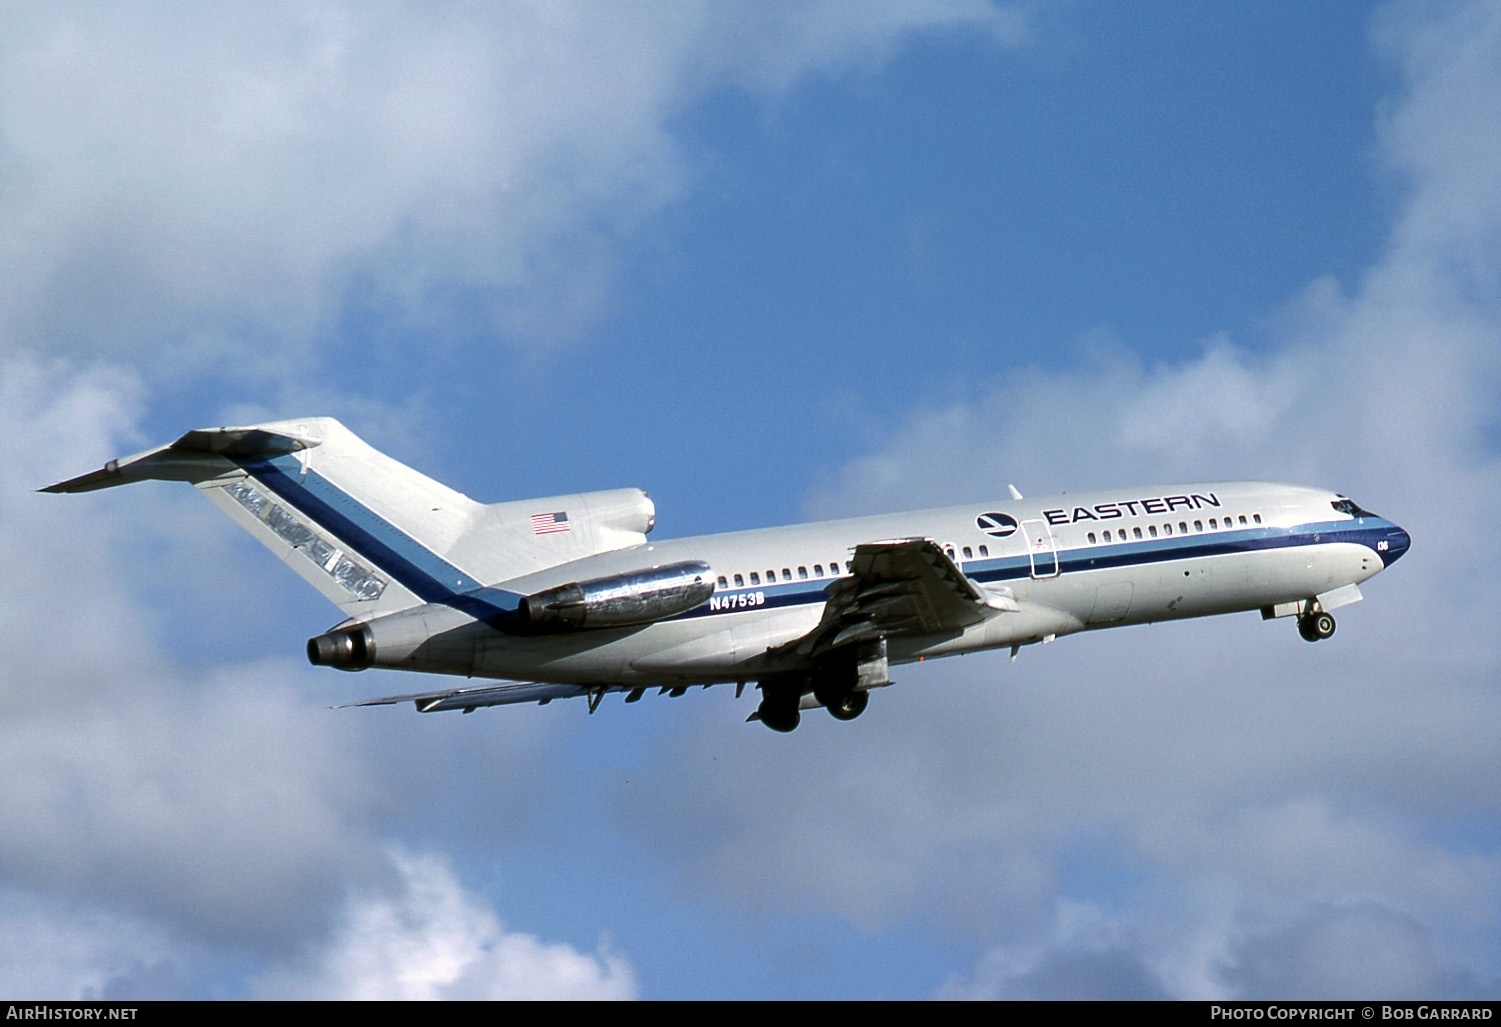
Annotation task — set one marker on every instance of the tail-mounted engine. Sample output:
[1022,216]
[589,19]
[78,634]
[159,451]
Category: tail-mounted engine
[620,600]
[344,648]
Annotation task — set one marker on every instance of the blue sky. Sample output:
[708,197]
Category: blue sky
[769,262]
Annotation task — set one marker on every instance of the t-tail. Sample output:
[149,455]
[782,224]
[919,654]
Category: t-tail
[370,533]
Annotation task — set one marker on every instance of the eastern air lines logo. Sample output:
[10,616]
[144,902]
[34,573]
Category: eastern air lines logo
[998,525]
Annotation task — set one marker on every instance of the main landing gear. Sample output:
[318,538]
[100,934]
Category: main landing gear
[843,705]
[779,711]
[1315,627]
[840,683]
[781,708]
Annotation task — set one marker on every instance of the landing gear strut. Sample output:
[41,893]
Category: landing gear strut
[1315,627]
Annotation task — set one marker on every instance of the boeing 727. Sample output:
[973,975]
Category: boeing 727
[567,593]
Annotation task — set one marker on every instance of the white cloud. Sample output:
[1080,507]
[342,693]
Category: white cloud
[1082,955]
[1453,87]
[50,949]
[222,804]
[187,184]
[1334,952]
[411,933]
[1241,797]
[163,811]
[189,189]
[224,175]
[434,940]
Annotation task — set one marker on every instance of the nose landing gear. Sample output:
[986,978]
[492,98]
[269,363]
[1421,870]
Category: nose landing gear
[1315,627]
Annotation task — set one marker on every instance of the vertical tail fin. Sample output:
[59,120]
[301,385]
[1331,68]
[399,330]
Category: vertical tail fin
[365,530]
[370,533]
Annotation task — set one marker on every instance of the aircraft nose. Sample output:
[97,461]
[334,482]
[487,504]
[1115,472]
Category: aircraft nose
[1393,545]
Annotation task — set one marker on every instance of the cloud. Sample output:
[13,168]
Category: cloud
[1197,810]
[1223,797]
[1453,207]
[1086,957]
[189,191]
[53,949]
[419,935]
[1363,949]
[433,940]
[166,812]
[188,185]
[135,784]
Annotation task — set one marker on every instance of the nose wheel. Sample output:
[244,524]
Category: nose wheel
[1315,627]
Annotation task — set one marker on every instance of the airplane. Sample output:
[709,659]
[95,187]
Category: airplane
[564,596]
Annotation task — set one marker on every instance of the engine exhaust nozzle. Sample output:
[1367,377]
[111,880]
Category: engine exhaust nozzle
[344,649]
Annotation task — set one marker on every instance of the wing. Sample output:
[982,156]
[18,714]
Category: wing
[907,586]
[506,693]
[502,693]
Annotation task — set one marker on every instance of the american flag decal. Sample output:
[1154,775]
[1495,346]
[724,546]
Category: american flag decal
[550,523]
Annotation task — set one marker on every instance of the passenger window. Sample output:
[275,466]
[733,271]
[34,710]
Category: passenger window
[786,574]
[722,582]
[1242,519]
[1198,525]
[818,570]
[1091,538]
[755,578]
[739,581]
[1256,518]
[1136,532]
[802,572]
[771,577]
[1183,527]
[984,550]
[1167,529]
[1214,524]
[968,553]
[1107,534]
[1152,530]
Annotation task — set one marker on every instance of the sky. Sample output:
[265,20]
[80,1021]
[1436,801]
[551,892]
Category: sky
[771,262]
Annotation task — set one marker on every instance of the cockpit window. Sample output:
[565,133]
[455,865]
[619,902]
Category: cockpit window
[1346,506]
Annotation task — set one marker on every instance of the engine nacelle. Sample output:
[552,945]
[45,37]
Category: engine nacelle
[620,600]
[344,648]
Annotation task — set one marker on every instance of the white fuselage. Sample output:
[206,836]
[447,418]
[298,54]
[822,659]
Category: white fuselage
[1070,563]
[568,595]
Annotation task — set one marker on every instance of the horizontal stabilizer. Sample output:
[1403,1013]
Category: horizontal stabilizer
[189,458]
[373,535]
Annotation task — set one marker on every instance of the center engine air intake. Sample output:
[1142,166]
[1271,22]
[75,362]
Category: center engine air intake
[620,600]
